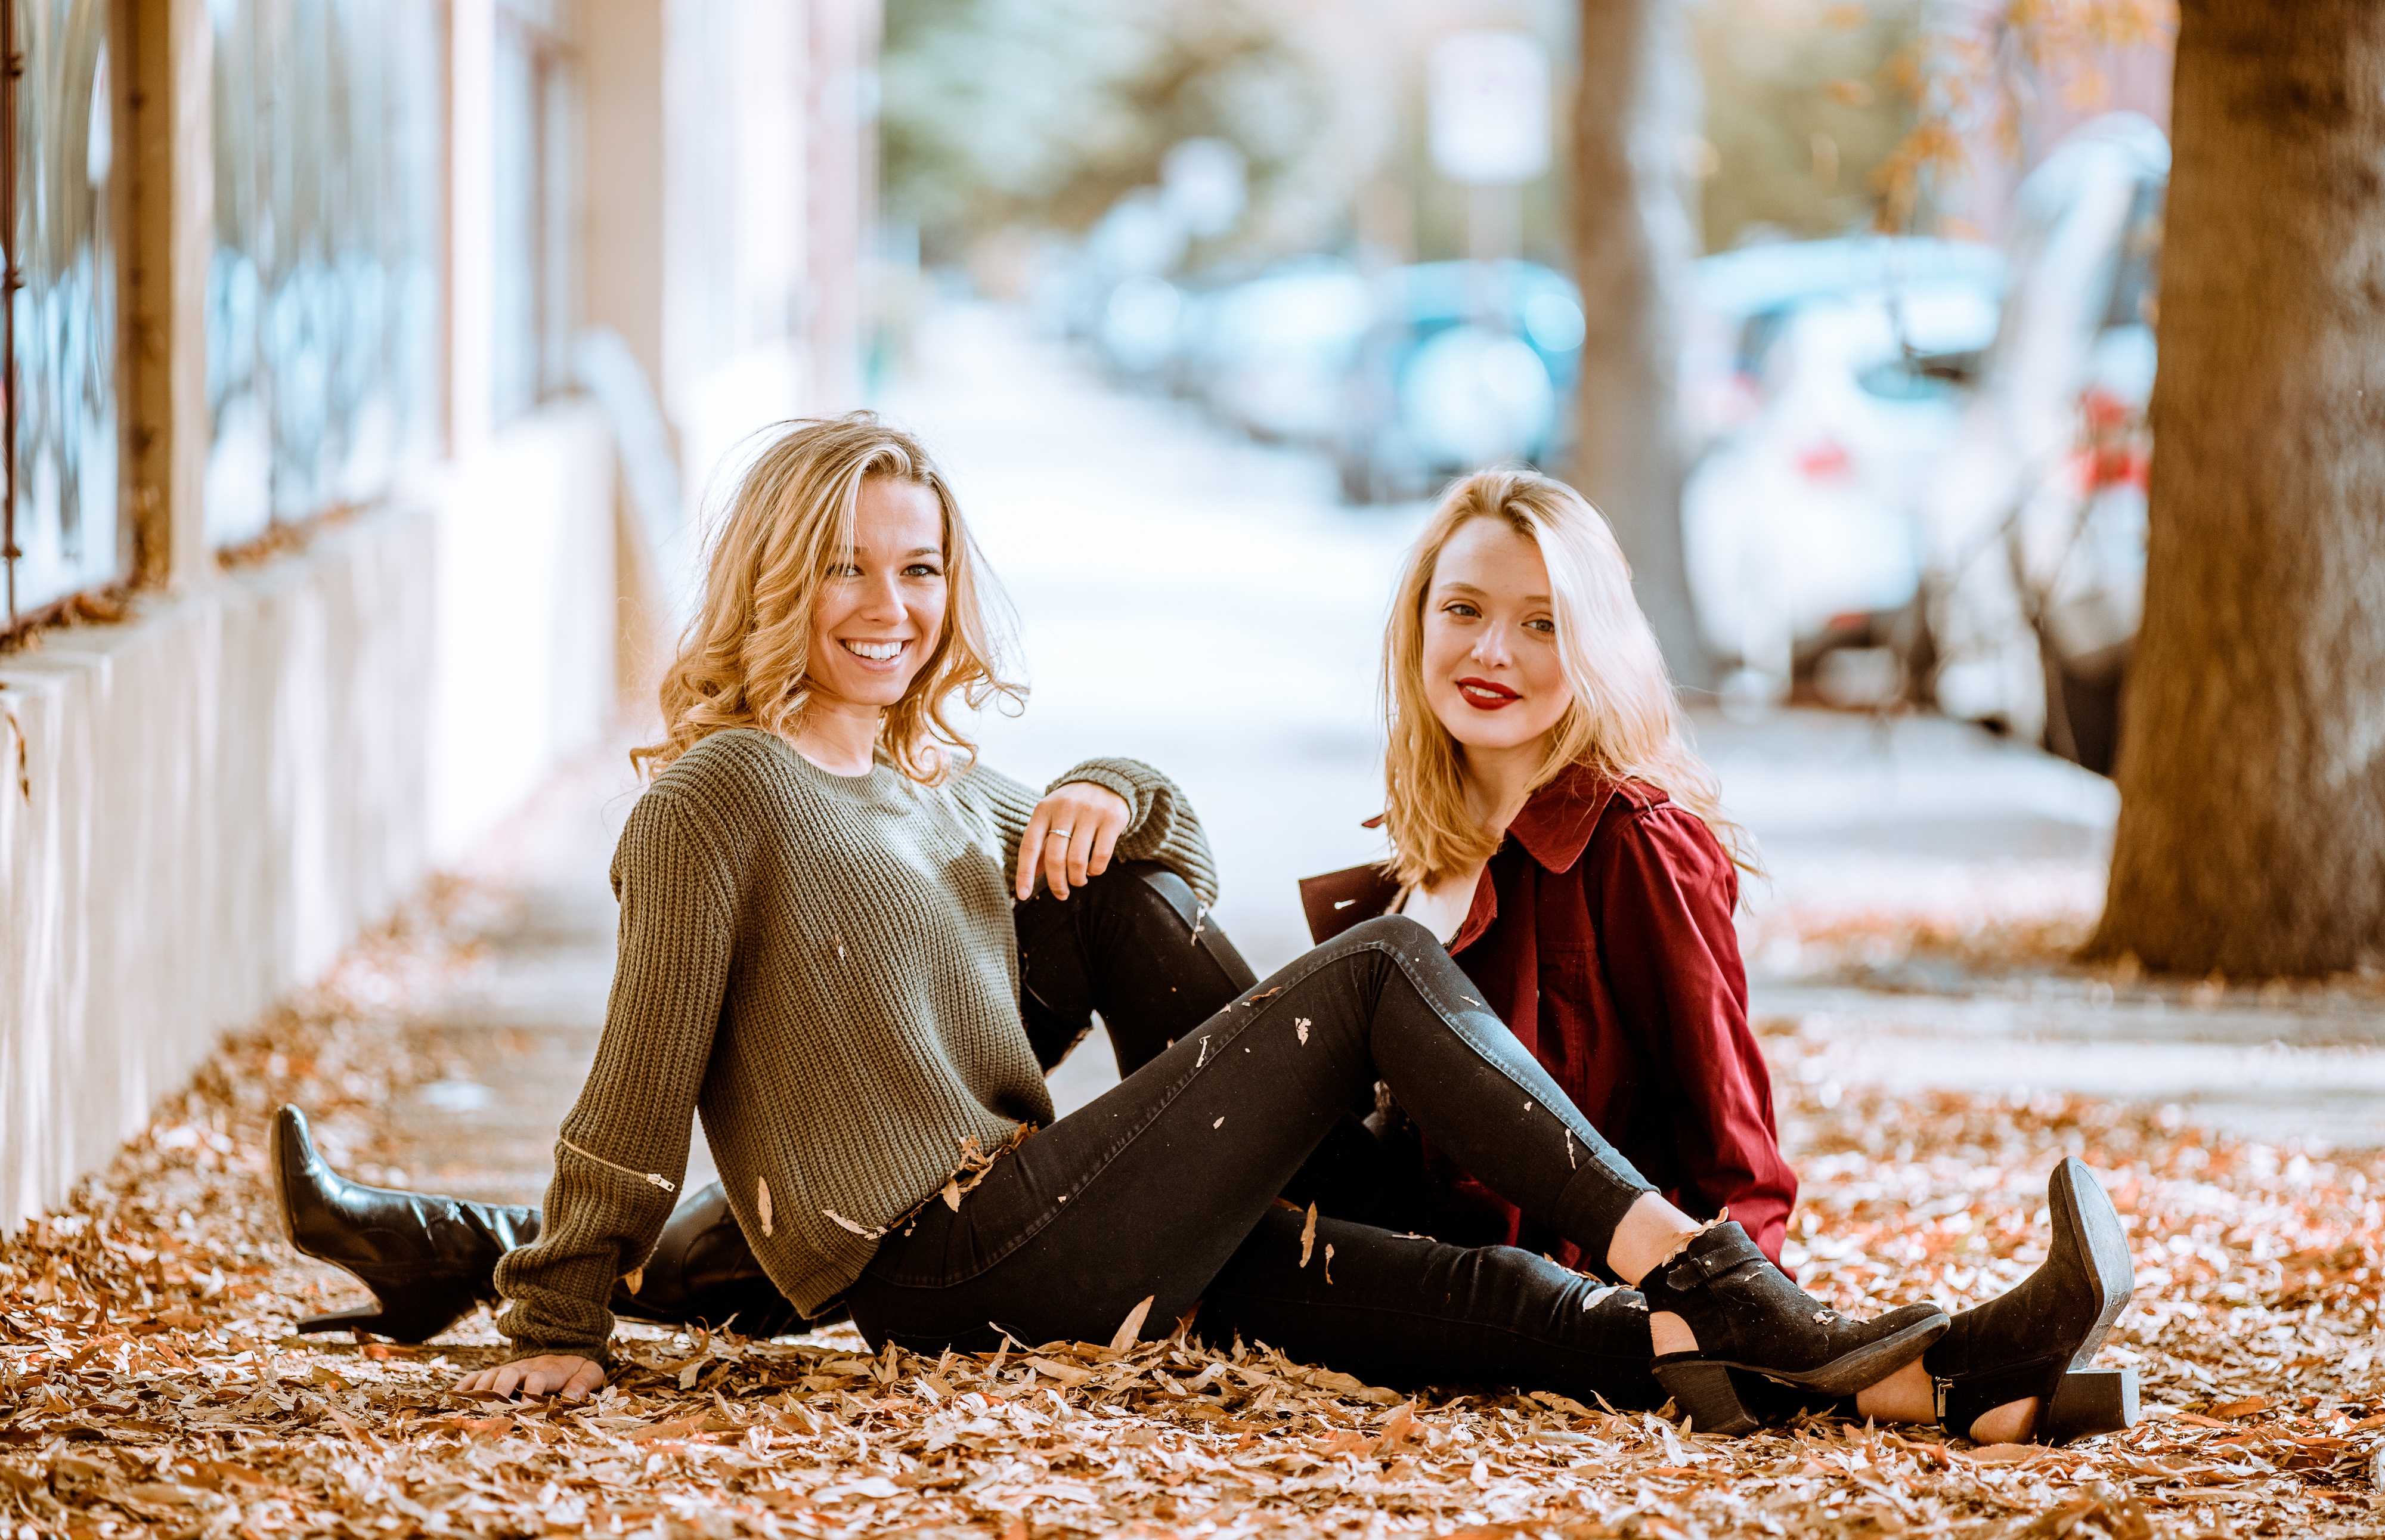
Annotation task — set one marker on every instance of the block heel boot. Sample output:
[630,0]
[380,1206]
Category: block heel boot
[1748,1316]
[428,1260]
[2037,1337]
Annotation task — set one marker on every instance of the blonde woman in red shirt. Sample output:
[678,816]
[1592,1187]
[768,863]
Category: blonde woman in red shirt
[1551,825]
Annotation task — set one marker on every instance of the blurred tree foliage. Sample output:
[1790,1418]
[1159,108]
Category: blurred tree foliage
[1984,70]
[1804,107]
[1043,112]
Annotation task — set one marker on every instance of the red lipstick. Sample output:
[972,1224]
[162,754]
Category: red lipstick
[1486,696]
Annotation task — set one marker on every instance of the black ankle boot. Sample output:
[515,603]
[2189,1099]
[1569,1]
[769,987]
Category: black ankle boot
[428,1260]
[1773,1404]
[2037,1337]
[704,1273]
[1749,1316]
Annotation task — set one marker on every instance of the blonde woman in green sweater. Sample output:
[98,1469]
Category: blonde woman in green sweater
[854,950]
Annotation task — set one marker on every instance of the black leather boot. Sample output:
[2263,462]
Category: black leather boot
[702,1273]
[1774,1404]
[2037,1337]
[1749,1316]
[428,1260]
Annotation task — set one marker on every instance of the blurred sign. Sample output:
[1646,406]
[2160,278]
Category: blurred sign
[1490,108]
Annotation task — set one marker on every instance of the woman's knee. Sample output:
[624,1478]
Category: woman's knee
[1396,933]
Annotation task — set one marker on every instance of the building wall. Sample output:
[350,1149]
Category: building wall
[206,804]
[524,619]
[206,812]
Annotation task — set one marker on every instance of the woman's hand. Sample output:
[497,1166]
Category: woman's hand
[1072,836]
[548,1375]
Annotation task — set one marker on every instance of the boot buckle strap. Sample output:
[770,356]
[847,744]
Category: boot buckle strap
[1691,1269]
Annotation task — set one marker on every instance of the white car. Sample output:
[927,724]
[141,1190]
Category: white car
[1831,387]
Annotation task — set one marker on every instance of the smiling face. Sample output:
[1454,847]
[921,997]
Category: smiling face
[1490,668]
[880,606]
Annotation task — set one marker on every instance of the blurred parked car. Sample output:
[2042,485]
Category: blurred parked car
[1738,301]
[1464,364]
[1823,383]
[2037,518]
[1270,354]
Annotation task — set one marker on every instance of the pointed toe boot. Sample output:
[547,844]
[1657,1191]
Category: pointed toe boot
[2037,1337]
[702,1272]
[1750,1316]
[428,1260]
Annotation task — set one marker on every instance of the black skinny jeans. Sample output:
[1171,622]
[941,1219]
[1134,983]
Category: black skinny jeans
[1167,1185]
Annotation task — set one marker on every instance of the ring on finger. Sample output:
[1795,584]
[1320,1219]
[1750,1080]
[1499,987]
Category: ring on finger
[1057,834]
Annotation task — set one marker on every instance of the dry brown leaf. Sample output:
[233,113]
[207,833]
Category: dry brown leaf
[1067,1374]
[1131,1327]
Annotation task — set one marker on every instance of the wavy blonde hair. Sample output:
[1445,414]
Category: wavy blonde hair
[1624,721]
[741,661]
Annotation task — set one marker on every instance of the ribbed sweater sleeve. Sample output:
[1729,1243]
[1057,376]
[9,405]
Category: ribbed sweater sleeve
[635,1114]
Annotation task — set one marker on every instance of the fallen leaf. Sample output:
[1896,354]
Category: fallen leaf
[1067,1374]
[1131,1327]
[356,1432]
[680,1427]
[1308,1235]
[863,1230]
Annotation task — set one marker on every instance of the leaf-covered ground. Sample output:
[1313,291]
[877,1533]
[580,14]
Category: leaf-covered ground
[150,1385]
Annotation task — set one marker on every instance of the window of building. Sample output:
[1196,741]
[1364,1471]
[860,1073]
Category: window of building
[63,528]
[536,288]
[323,298]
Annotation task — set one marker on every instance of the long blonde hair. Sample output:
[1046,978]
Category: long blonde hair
[741,661]
[1624,723]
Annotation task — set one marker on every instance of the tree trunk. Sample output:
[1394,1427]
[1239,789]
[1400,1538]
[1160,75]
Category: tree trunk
[1634,236]
[2252,770]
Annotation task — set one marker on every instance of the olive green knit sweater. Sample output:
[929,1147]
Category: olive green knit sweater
[825,966]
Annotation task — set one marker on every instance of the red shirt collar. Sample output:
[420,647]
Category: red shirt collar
[1555,824]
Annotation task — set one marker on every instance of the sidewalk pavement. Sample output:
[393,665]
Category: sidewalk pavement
[1206,604]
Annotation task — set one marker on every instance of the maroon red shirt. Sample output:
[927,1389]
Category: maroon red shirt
[1600,934]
